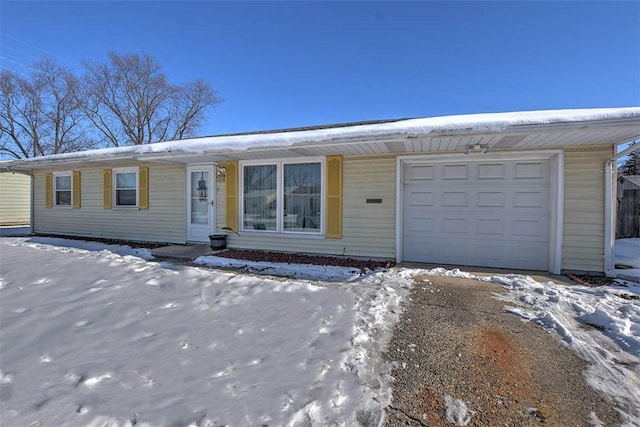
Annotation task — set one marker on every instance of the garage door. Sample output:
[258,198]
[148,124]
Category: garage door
[489,213]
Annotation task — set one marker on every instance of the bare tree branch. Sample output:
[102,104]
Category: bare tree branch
[131,102]
[124,101]
[39,114]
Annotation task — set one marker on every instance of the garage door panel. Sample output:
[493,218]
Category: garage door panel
[414,172]
[455,199]
[420,225]
[454,226]
[529,199]
[527,255]
[455,172]
[526,197]
[490,213]
[421,198]
[490,227]
[491,171]
[531,170]
[479,253]
[490,199]
[418,250]
[529,228]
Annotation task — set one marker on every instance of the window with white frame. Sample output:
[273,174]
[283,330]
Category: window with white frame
[125,187]
[62,189]
[283,196]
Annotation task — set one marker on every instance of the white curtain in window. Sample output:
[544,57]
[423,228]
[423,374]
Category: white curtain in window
[200,197]
[126,188]
[63,190]
[260,197]
[302,196]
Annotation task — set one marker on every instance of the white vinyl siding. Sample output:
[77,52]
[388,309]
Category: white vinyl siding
[15,196]
[583,246]
[368,228]
[164,221]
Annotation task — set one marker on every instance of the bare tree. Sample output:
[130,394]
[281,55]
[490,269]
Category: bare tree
[631,164]
[131,102]
[39,114]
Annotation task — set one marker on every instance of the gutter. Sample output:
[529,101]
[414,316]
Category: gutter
[609,208]
[18,171]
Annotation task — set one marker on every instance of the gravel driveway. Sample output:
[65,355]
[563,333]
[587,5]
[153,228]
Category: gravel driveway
[454,341]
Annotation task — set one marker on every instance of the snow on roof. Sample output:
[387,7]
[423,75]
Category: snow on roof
[457,124]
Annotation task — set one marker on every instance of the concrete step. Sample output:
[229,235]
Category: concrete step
[182,252]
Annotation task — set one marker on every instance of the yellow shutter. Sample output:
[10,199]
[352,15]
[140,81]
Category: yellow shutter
[232,195]
[334,197]
[107,188]
[48,190]
[76,190]
[143,188]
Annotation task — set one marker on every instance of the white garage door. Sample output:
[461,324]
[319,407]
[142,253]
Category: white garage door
[488,213]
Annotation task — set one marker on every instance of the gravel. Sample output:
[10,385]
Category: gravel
[456,345]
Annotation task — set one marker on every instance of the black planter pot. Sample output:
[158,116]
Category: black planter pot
[218,241]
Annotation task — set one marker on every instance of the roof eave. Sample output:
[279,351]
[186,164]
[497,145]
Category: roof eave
[357,137]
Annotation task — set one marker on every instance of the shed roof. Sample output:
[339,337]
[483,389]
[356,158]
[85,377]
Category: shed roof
[634,179]
[512,130]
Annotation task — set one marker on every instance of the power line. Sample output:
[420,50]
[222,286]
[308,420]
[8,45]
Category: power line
[3,34]
[17,63]
[17,50]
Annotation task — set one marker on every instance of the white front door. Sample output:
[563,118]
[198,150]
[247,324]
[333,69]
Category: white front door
[200,199]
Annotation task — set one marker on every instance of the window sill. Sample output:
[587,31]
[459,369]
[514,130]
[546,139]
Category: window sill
[63,207]
[125,208]
[270,234]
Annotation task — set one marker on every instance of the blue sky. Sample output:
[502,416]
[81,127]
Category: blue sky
[290,64]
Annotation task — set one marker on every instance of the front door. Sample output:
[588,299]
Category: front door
[200,199]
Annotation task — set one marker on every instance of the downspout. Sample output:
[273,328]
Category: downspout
[609,217]
[609,237]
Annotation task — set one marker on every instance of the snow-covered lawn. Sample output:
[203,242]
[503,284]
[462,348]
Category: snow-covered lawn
[627,252]
[96,335]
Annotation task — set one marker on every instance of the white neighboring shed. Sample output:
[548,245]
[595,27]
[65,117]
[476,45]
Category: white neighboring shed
[15,199]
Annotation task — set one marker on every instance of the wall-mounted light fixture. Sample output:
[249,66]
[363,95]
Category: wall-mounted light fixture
[476,148]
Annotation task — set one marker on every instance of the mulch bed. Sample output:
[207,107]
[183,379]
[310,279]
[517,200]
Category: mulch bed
[130,243]
[254,255]
[291,258]
[592,281]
